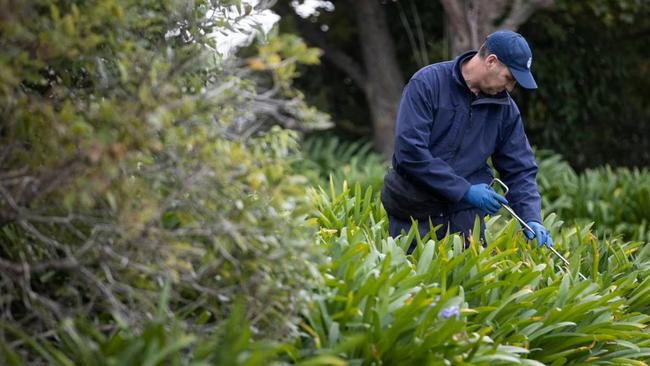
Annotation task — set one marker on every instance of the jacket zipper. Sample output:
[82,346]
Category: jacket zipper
[462,138]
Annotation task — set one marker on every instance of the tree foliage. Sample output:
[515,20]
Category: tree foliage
[132,154]
[592,89]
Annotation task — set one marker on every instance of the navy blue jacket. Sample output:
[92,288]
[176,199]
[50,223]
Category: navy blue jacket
[445,135]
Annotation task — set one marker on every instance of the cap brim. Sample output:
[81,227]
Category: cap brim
[524,78]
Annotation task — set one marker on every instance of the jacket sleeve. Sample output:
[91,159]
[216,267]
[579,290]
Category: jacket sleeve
[515,162]
[413,157]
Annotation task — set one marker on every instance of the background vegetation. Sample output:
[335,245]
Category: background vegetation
[591,106]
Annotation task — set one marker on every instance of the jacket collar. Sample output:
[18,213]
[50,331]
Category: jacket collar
[501,98]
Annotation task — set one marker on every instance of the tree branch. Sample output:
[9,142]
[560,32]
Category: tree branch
[334,55]
[522,10]
[24,267]
[473,14]
[455,13]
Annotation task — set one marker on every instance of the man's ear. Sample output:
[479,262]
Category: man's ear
[491,60]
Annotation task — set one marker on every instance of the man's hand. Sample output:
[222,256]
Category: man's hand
[540,232]
[484,198]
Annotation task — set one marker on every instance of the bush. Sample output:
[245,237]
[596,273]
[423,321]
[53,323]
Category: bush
[328,156]
[161,341]
[617,200]
[132,154]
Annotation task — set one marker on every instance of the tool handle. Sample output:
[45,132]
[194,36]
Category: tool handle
[524,224]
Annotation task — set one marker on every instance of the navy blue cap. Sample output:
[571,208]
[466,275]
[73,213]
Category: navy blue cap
[512,50]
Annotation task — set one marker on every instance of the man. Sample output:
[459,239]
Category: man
[453,117]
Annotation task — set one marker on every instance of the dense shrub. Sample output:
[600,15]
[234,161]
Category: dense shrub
[327,156]
[616,200]
[132,154]
[575,111]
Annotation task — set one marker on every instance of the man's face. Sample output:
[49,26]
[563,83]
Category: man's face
[496,77]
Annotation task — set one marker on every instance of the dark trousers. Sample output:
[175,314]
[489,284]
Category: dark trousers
[458,222]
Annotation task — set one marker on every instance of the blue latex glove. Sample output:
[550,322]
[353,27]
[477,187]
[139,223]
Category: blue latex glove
[484,198]
[542,235]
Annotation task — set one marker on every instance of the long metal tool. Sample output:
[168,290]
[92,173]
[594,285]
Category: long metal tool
[512,212]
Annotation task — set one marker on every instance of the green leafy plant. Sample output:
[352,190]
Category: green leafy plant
[163,340]
[508,303]
[617,201]
[328,156]
[132,153]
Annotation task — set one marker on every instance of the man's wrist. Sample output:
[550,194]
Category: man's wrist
[465,191]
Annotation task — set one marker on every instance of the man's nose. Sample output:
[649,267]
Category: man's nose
[511,85]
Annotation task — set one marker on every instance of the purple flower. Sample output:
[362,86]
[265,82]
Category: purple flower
[449,312]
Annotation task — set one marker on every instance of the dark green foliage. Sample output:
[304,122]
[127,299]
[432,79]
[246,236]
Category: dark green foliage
[592,65]
[328,156]
[616,201]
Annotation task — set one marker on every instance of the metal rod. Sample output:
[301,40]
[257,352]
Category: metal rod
[512,212]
